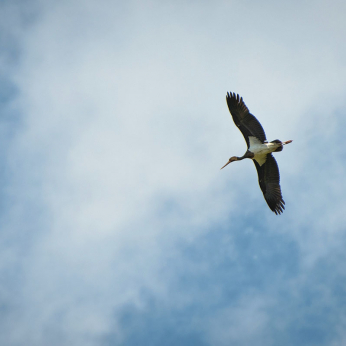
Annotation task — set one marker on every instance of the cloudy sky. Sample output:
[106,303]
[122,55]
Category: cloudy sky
[117,226]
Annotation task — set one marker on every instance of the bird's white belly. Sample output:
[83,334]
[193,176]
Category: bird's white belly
[261,150]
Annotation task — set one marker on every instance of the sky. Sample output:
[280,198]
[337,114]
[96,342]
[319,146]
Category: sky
[117,226]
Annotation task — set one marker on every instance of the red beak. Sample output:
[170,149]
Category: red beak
[226,164]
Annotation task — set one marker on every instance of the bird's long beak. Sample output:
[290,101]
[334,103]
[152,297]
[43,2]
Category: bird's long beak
[287,142]
[226,164]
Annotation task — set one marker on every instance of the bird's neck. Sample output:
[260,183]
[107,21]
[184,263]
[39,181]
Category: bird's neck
[247,155]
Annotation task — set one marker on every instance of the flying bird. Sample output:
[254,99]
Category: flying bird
[259,150]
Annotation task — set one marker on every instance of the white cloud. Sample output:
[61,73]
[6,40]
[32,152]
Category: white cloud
[124,129]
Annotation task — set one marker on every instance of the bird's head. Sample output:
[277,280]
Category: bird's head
[233,158]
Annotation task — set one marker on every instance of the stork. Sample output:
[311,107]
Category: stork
[259,150]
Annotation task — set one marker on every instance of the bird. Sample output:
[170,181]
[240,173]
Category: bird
[259,150]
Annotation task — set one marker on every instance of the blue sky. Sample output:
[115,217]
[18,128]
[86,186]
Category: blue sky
[117,226]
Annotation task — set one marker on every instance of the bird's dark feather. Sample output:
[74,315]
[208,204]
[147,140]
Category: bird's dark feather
[269,182]
[244,120]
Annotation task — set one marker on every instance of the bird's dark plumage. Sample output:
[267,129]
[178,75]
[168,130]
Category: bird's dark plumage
[244,120]
[268,172]
[269,182]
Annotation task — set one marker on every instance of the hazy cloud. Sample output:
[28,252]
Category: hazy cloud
[117,226]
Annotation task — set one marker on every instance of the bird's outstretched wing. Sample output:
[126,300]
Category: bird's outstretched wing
[244,120]
[269,182]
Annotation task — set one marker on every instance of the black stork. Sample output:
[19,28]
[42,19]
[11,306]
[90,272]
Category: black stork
[259,150]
